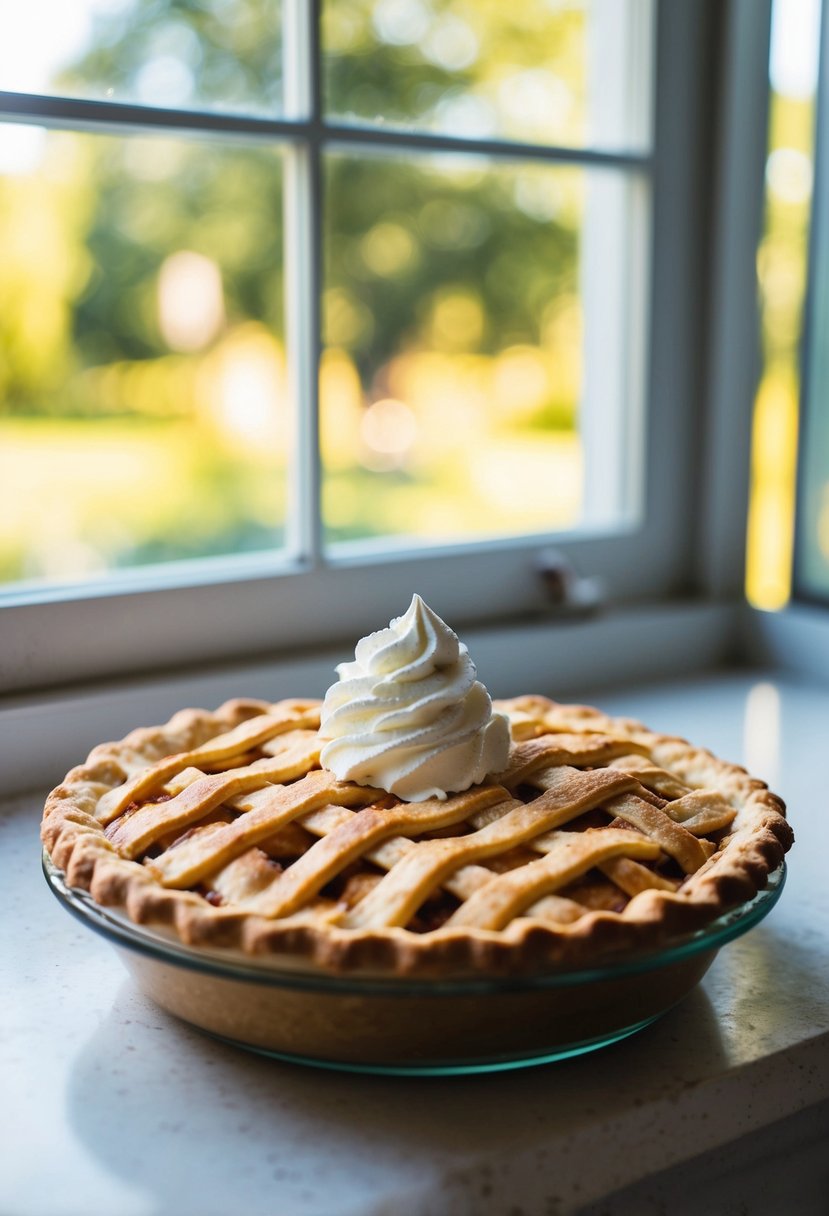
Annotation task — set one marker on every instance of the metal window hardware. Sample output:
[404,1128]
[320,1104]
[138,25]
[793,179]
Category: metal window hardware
[567,593]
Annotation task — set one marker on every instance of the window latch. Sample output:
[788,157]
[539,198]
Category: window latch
[566,592]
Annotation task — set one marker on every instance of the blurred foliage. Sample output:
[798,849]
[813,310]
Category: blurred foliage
[80,288]
[464,67]
[155,196]
[223,54]
[422,257]
[45,268]
[405,233]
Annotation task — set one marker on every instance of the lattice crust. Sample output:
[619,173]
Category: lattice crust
[599,836]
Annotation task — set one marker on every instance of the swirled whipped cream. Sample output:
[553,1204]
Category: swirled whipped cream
[408,715]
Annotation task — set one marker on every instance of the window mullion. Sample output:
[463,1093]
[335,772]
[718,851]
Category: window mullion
[733,336]
[303,275]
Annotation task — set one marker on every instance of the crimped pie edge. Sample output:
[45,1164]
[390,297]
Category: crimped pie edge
[755,847]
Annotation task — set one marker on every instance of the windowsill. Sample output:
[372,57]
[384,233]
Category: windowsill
[142,1114]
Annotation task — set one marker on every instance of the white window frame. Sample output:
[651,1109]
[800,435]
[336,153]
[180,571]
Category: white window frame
[814,360]
[699,381]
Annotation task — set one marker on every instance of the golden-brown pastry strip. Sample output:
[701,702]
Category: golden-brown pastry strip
[523,726]
[556,908]
[277,747]
[566,749]
[673,839]
[244,876]
[134,834]
[550,717]
[277,743]
[666,784]
[287,842]
[235,742]
[701,812]
[549,778]
[396,899]
[319,911]
[194,859]
[564,779]
[631,877]
[509,895]
[352,839]
[202,831]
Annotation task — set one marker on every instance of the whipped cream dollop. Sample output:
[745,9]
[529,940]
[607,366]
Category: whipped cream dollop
[409,716]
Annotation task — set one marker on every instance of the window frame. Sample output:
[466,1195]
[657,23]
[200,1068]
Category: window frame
[815,309]
[222,609]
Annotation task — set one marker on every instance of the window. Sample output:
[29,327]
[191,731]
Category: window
[344,299]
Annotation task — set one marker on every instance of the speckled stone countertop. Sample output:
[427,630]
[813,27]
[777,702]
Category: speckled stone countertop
[113,1108]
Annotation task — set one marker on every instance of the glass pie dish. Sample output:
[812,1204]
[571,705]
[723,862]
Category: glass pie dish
[361,1022]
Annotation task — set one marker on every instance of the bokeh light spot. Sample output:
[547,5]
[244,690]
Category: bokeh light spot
[190,300]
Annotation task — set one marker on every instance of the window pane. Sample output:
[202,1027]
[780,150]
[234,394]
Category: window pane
[460,299]
[142,406]
[574,73]
[156,52]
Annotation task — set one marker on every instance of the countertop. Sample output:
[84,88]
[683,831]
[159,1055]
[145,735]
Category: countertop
[113,1108]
